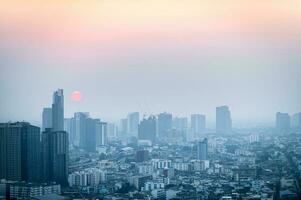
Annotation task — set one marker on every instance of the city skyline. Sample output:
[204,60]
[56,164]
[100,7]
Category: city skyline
[150,99]
[210,124]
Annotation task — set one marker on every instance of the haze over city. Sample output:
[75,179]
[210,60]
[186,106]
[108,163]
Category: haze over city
[151,56]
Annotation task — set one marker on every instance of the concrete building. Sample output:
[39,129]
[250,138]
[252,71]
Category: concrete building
[23,190]
[223,120]
[19,152]
[283,122]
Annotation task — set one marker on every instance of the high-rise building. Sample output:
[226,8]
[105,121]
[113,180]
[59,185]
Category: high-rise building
[122,128]
[19,152]
[203,150]
[164,124]
[55,156]
[283,122]
[87,132]
[198,124]
[223,120]
[101,134]
[132,123]
[147,129]
[58,110]
[46,118]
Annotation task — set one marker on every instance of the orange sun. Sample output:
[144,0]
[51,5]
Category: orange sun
[76,96]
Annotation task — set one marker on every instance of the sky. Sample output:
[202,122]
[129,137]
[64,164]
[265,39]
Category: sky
[151,56]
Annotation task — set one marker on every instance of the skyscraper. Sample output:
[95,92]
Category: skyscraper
[58,110]
[133,121]
[164,124]
[198,124]
[223,120]
[80,119]
[46,118]
[147,129]
[112,130]
[19,152]
[283,122]
[55,156]
[55,144]
[296,120]
[122,127]
[203,150]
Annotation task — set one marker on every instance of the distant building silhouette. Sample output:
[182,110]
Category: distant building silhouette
[86,132]
[132,123]
[80,120]
[19,152]
[223,120]
[283,122]
[101,133]
[164,124]
[46,118]
[122,128]
[180,123]
[296,121]
[69,127]
[58,110]
[147,129]
[203,150]
[198,124]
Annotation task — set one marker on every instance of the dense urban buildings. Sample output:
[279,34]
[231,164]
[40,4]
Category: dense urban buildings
[169,158]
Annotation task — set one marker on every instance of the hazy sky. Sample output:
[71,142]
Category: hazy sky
[151,56]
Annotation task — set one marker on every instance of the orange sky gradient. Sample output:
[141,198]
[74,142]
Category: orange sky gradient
[106,22]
